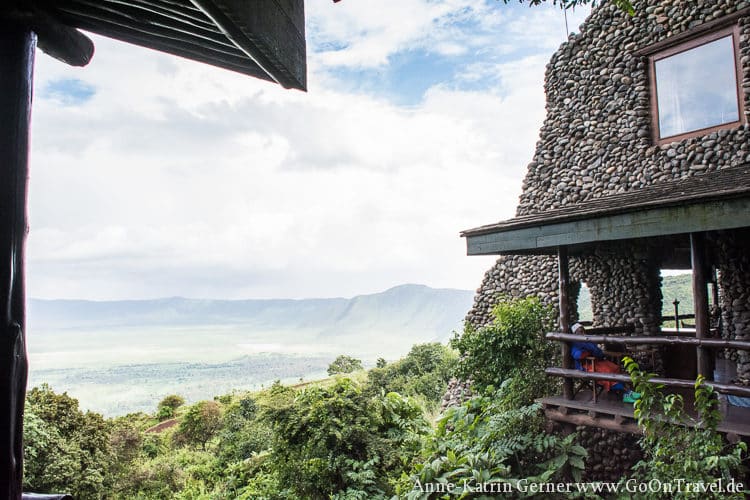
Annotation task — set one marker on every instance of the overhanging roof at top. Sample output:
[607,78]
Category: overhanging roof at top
[712,201]
[260,38]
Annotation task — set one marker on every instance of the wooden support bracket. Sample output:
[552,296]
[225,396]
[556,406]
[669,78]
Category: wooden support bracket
[54,38]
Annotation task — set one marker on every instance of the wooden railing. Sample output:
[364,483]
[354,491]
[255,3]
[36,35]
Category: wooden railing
[598,336]
[678,317]
[651,340]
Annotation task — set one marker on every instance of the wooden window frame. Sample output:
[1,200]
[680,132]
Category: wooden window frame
[678,47]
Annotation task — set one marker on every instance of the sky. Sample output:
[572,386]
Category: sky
[154,176]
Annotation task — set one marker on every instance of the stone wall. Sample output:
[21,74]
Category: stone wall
[514,276]
[611,454]
[733,265]
[596,140]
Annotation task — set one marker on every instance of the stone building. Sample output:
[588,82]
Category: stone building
[643,164]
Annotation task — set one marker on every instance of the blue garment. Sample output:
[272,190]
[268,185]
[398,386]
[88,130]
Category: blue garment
[738,401]
[582,350]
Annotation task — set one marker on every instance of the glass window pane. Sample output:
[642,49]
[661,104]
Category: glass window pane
[697,88]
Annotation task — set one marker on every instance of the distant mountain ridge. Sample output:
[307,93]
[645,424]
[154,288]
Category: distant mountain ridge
[402,307]
[121,356]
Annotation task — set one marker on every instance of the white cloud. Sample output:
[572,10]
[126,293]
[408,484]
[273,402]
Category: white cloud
[176,178]
[365,34]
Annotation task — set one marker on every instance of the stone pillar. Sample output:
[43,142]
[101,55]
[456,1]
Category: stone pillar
[625,288]
[734,292]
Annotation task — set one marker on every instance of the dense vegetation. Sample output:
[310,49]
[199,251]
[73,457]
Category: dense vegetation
[361,434]
[350,436]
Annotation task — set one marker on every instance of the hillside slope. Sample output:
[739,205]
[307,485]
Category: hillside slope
[405,307]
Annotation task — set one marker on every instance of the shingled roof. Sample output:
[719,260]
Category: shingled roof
[666,208]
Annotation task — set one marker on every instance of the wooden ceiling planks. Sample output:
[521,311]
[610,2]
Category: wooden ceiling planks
[263,38]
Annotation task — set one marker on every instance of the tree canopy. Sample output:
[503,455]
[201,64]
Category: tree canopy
[344,364]
[625,5]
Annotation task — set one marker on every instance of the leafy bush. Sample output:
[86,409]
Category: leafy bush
[512,347]
[242,434]
[673,450]
[339,442]
[424,372]
[484,441]
[168,405]
[65,449]
[498,437]
[199,424]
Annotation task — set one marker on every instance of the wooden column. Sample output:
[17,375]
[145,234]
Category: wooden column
[700,299]
[16,76]
[564,294]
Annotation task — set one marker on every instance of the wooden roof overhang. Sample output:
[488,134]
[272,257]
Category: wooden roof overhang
[262,38]
[708,202]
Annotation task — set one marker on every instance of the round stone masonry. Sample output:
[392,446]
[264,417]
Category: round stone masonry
[596,141]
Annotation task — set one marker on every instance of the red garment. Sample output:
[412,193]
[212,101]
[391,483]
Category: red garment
[603,366]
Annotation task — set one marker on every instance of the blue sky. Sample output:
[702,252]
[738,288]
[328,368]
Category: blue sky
[154,176]
[70,91]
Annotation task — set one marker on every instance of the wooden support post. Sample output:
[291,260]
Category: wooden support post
[700,299]
[567,358]
[16,76]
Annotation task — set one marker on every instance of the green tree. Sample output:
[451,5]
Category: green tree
[243,434]
[625,5]
[512,348]
[424,372]
[344,364]
[200,424]
[674,450]
[126,440]
[167,406]
[499,436]
[338,442]
[65,449]
[487,440]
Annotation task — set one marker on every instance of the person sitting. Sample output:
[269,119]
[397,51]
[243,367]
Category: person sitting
[587,350]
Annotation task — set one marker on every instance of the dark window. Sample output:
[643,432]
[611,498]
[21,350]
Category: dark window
[695,87]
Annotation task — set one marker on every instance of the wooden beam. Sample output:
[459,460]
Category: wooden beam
[700,300]
[178,13]
[170,41]
[612,424]
[270,32]
[17,46]
[564,301]
[661,221]
[203,51]
[54,38]
[262,38]
[607,330]
[651,340]
[153,24]
[737,390]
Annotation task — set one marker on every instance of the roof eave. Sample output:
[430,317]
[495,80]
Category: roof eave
[543,237]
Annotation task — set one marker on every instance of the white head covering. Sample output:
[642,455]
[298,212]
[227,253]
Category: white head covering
[576,327]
